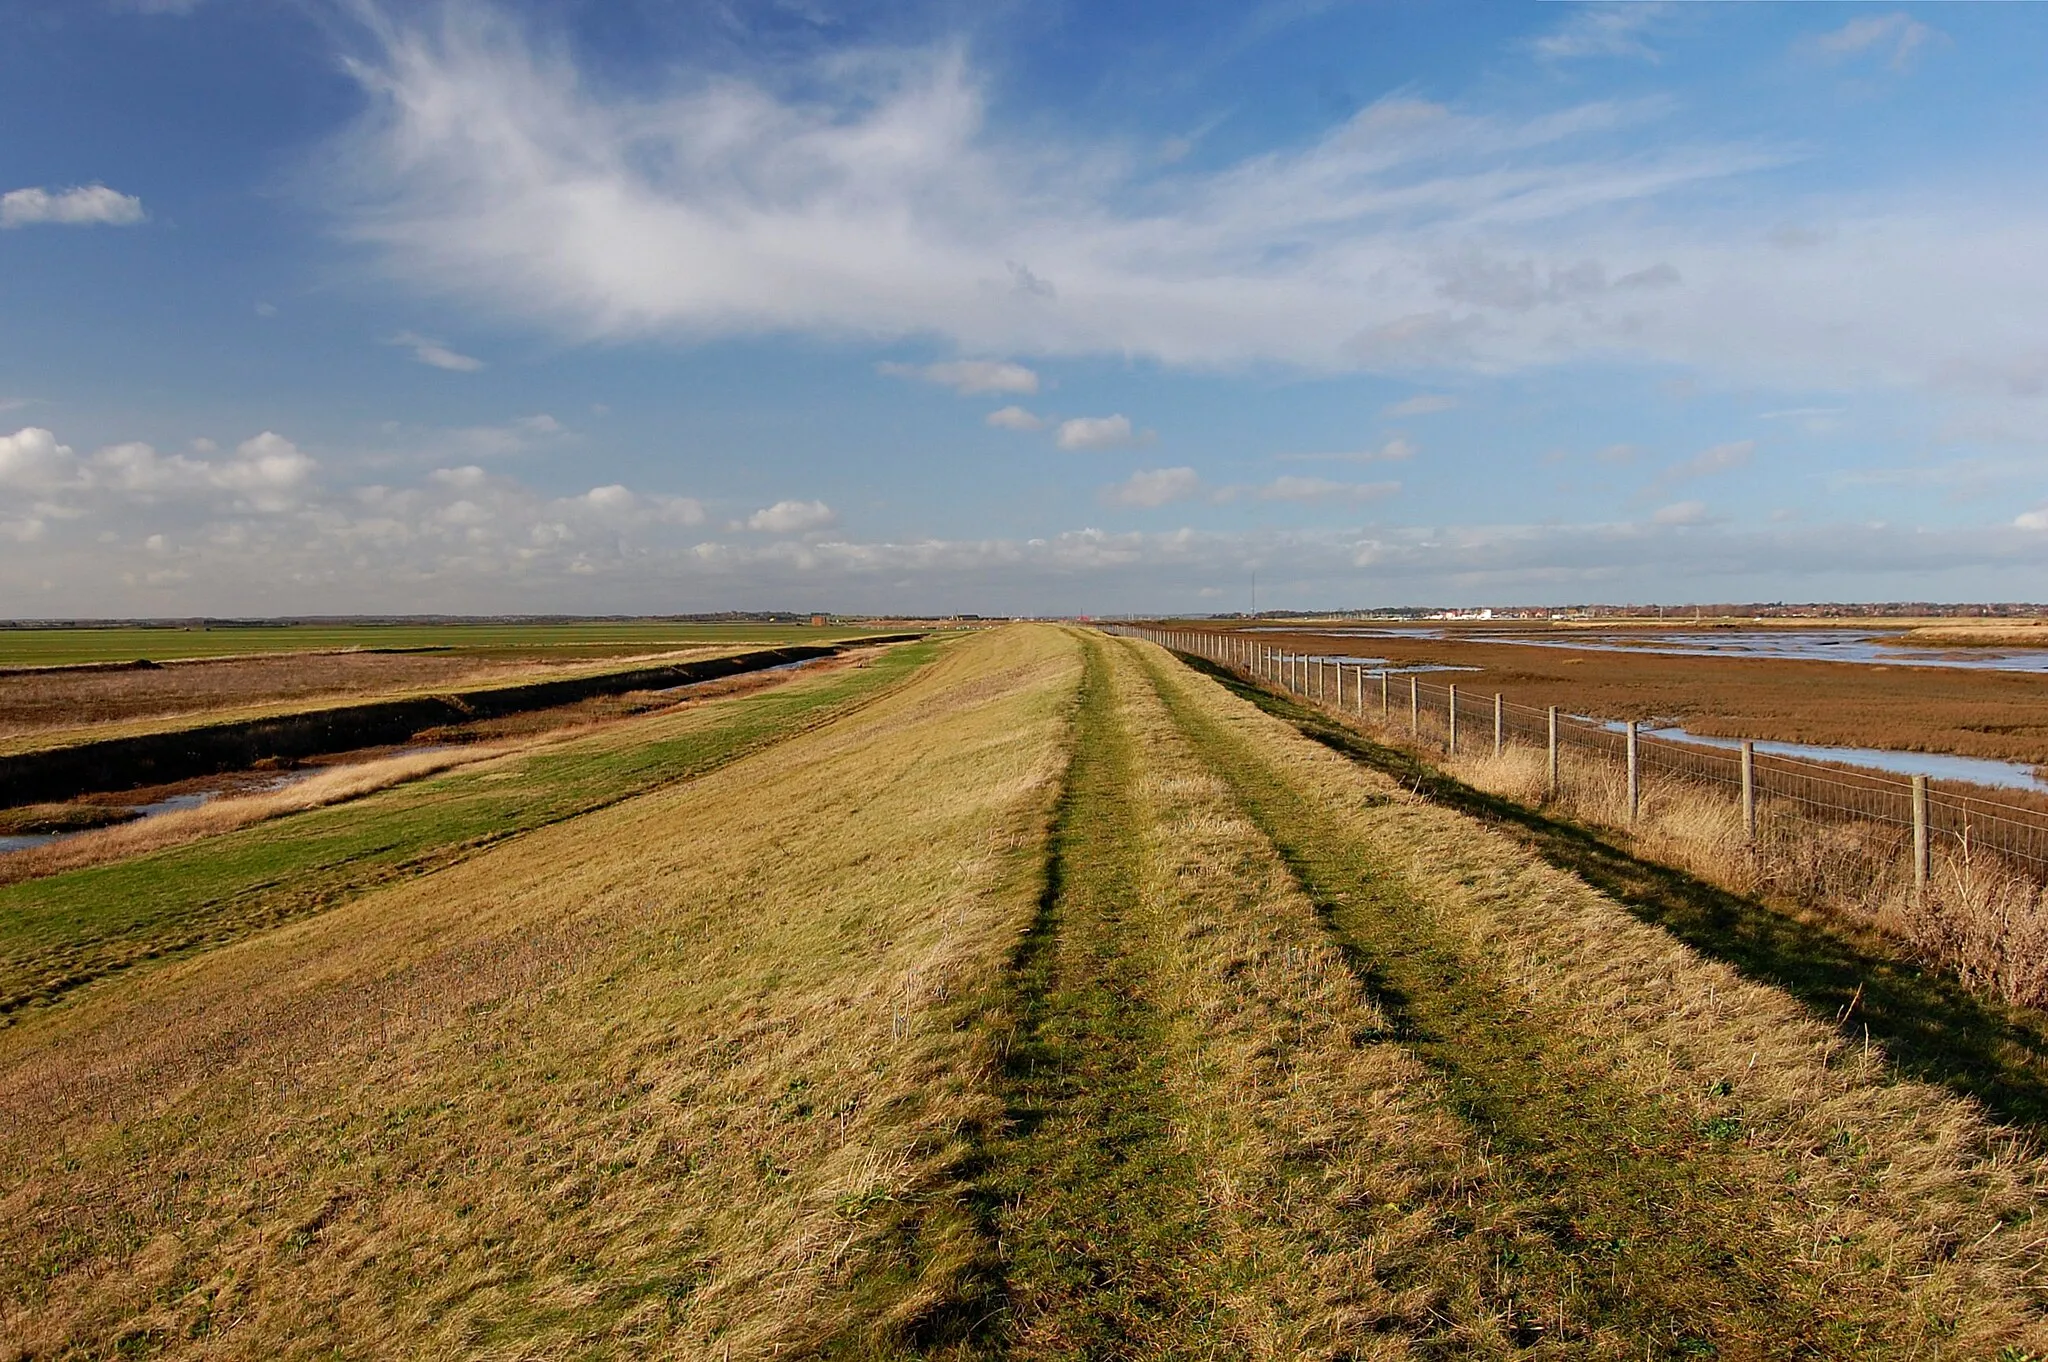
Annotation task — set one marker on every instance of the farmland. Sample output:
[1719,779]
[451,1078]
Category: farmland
[1024,994]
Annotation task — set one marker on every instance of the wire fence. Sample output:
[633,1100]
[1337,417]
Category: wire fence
[1923,814]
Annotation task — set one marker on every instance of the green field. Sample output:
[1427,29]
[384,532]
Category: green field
[38,647]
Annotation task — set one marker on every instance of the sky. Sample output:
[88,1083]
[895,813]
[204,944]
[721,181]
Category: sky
[624,306]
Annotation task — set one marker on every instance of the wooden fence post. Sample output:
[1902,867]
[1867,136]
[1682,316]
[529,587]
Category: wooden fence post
[1452,710]
[1635,774]
[1749,792]
[1361,692]
[1499,727]
[1386,686]
[1414,709]
[1922,852]
[1552,789]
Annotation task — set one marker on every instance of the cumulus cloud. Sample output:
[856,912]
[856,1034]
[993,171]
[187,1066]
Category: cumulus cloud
[792,517]
[435,354]
[1014,418]
[969,377]
[1154,487]
[86,206]
[1422,404]
[32,460]
[1898,36]
[2036,519]
[1099,432]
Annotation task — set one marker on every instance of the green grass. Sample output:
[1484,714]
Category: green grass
[39,647]
[1094,1197]
[67,930]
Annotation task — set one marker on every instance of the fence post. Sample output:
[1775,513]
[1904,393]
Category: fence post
[1414,709]
[1552,791]
[1452,710]
[1499,732]
[1635,774]
[1749,792]
[1386,686]
[1921,850]
[1361,692]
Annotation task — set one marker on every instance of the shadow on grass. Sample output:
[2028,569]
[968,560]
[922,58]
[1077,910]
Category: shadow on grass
[1934,1028]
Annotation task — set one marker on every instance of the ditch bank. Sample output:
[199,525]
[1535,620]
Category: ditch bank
[61,773]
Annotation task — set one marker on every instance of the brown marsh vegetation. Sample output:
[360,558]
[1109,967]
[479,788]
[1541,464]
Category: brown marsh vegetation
[41,707]
[1058,1003]
[1839,704]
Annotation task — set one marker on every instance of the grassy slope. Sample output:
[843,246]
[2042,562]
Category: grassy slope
[66,930]
[1724,1173]
[69,647]
[682,1077]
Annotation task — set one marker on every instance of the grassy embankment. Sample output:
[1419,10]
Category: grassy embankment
[65,930]
[682,1076]
[889,1040]
[1726,1175]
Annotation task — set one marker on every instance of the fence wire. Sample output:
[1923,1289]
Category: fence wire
[1443,715]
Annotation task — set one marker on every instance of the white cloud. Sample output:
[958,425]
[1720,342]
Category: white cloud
[969,377]
[1720,458]
[1422,404]
[1618,453]
[792,517]
[1154,487]
[1901,34]
[434,353]
[1681,513]
[1014,418]
[1394,450]
[1602,30]
[1099,432]
[32,460]
[467,477]
[2032,520]
[1292,488]
[86,206]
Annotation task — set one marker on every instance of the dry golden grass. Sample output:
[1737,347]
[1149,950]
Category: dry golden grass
[1901,1201]
[1979,920]
[1321,1191]
[685,1077]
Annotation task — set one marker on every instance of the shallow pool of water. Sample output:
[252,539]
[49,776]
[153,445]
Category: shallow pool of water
[2009,775]
[1799,645]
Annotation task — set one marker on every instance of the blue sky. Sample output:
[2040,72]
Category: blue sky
[339,306]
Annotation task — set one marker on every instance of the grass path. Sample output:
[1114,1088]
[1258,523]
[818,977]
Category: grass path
[62,932]
[1094,1199]
[1696,1201]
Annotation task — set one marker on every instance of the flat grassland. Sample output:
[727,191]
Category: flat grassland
[1036,997]
[1839,704]
[30,646]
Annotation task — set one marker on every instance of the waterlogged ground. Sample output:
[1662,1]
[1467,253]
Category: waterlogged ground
[1046,999]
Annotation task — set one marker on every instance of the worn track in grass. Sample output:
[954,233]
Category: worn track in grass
[1934,1027]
